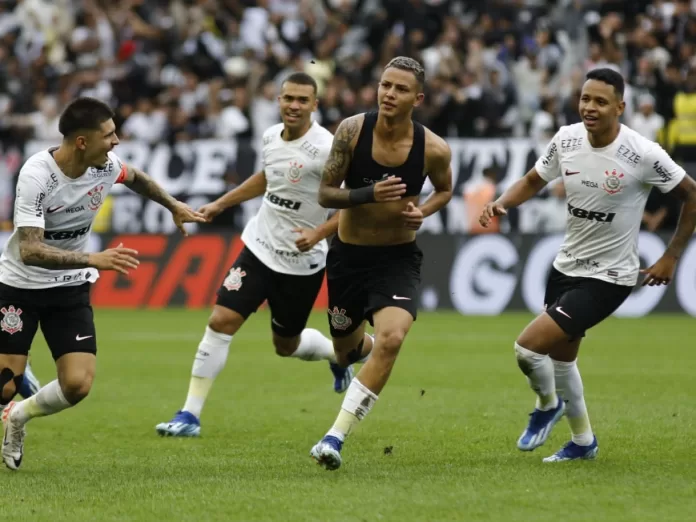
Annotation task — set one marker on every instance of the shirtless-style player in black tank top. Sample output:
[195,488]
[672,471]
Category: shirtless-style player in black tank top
[373,266]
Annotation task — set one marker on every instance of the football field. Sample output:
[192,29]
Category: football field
[439,445]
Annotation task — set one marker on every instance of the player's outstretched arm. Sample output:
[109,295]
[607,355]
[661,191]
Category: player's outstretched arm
[440,174]
[686,192]
[34,252]
[139,182]
[253,187]
[521,191]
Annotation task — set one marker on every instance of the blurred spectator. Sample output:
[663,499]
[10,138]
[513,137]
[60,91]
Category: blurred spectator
[646,121]
[476,197]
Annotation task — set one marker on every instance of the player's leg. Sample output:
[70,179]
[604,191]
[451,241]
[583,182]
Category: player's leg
[291,300]
[67,323]
[30,383]
[18,325]
[585,306]
[241,293]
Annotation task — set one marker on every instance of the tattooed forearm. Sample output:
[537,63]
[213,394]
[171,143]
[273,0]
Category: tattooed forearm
[34,252]
[686,191]
[331,195]
[144,185]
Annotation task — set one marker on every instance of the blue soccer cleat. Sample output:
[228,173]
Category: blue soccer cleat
[30,384]
[572,451]
[327,453]
[184,424]
[342,377]
[540,425]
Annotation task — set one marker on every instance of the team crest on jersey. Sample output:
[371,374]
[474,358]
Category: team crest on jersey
[96,198]
[612,183]
[11,322]
[339,319]
[233,281]
[294,173]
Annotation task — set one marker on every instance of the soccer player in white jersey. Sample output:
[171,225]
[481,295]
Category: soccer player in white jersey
[284,257]
[45,273]
[608,171]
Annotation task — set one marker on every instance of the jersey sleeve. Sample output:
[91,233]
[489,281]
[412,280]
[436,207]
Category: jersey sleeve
[29,201]
[120,167]
[548,166]
[660,170]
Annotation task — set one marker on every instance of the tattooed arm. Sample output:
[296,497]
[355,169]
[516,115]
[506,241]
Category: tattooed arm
[34,252]
[139,182]
[331,195]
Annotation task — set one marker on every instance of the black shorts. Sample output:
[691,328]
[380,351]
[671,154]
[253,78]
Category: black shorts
[365,279]
[290,297]
[579,303]
[64,314]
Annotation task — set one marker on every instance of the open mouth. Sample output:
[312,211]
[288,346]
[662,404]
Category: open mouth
[590,120]
[292,117]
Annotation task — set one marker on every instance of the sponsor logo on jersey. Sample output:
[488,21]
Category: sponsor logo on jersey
[62,235]
[102,172]
[96,197]
[339,319]
[233,281]
[52,184]
[571,144]
[369,181]
[589,264]
[628,156]
[11,320]
[311,150]
[73,210]
[38,204]
[590,184]
[591,215]
[53,210]
[664,174]
[282,202]
[612,182]
[287,254]
[294,174]
[550,154]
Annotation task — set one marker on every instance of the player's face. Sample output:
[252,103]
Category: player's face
[96,144]
[600,106]
[398,92]
[297,103]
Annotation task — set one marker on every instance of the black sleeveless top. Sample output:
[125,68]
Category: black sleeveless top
[366,171]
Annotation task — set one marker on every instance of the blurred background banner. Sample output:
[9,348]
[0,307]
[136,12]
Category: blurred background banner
[484,274]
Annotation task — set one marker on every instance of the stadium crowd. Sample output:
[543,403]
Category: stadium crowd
[180,70]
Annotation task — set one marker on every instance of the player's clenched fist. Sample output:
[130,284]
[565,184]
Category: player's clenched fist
[490,211]
[119,259]
[391,189]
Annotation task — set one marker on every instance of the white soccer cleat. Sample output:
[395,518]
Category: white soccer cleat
[12,439]
[327,453]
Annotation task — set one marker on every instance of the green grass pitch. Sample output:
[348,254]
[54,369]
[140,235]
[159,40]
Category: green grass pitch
[451,414]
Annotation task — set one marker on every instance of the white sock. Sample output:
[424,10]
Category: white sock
[314,347]
[570,388]
[356,404]
[47,401]
[211,357]
[540,374]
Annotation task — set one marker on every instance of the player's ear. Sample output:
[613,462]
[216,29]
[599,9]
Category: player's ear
[419,99]
[621,108]
[81,142]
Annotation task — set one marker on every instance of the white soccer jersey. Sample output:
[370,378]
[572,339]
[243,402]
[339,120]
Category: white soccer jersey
[65,208]
[293,172]
[606,192]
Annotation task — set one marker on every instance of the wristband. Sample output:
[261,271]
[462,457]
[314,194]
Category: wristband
[362,195]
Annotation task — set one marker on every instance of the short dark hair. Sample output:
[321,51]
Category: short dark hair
[610,77]
[408,64]
[83,114]
[301,78]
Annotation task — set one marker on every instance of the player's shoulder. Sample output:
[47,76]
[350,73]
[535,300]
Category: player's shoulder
[635,141]
[574,130]
[320,132]
[37,167]
[271,133]
[350,128]
[436,146]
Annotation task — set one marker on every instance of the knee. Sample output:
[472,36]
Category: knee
[76,386]
[225,321]
[389,342]
[285,346]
